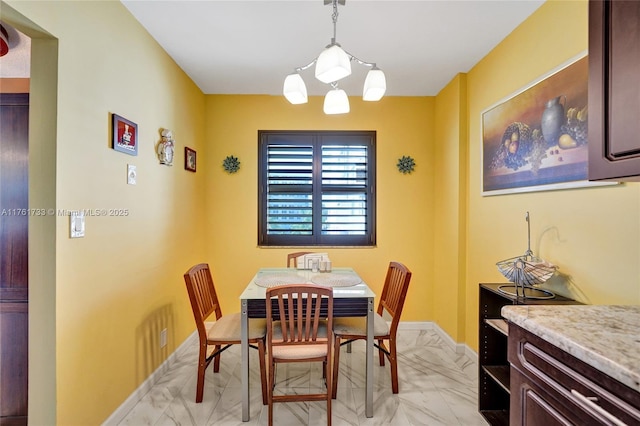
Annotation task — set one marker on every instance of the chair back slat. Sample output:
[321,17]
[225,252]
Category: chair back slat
[202,294]
[394,291]
[281,310]
[299,312]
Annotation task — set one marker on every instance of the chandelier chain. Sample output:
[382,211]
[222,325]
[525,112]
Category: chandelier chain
[334,17]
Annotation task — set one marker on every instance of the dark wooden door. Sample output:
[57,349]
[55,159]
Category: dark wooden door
[14,277]
[614,90]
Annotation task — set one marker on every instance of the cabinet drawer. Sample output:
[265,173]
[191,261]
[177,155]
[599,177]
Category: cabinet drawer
[583,391]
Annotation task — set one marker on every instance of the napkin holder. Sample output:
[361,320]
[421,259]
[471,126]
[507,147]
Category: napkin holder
[306,261]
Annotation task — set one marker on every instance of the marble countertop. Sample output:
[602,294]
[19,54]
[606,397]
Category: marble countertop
[604,336]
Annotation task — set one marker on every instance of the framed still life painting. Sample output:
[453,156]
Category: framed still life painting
[125,135]
[536,139]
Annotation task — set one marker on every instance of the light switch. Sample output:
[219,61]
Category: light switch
[132,174]
[76,224]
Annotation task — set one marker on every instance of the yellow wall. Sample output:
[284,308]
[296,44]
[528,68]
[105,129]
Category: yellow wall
[447,287]
[592,234]
[117,287]
[405,201]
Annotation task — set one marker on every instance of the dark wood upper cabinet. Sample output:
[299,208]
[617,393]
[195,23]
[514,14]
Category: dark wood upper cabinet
[614,90]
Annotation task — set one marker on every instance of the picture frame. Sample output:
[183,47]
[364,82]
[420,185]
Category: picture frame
[536,138]
[190,159]
[124,135]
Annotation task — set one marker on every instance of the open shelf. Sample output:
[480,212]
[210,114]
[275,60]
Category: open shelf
[499,373]
[499,324]
[496,417]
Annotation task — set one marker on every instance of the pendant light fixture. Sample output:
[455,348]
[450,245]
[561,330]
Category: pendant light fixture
[4,41]
[332,65]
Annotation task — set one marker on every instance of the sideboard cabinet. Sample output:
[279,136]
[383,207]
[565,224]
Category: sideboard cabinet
[493,364]
[550,387]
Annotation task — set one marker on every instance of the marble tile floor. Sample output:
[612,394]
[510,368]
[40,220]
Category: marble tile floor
[437,387]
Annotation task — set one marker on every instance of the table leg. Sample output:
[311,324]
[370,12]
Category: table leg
[369,366]
[244,371]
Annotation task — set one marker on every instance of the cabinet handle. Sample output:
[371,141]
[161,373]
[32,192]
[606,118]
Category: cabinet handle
[590,402]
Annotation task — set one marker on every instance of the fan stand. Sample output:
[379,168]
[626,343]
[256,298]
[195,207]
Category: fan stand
[521,275]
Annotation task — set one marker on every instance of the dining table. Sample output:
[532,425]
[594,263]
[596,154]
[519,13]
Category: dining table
[352,297]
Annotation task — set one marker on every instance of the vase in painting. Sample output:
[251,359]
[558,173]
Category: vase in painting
[552,120]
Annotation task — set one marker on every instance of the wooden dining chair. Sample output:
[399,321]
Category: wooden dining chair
[222,333]
[294,256]
[299,330]
[392,299]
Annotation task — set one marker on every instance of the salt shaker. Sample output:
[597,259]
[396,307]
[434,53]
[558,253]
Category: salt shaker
[314,265]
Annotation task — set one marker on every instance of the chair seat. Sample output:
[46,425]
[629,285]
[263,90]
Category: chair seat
[299,350]
[228,328]
[357,326]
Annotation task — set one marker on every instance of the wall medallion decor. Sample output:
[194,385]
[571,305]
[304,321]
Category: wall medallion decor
[165,148]
[125,135]
[189,159]
[406,164]
[536,139]
[231,164]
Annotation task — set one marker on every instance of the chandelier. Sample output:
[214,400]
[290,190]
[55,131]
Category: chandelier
[332,65]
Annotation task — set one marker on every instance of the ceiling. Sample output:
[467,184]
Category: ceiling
[16,63]
[248,47]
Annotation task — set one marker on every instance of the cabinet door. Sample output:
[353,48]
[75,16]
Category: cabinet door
[614,90]
[530,406]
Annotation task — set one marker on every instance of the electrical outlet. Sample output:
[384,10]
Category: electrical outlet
[163,338]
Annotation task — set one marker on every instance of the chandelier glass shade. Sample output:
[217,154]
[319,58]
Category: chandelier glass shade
[336,101]
[332,65]
[374,85]
[294,89]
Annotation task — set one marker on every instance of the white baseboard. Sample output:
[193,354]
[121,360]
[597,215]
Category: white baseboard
[117,416]
[473,355]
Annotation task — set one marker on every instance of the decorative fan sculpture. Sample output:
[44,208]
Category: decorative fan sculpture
[526,272]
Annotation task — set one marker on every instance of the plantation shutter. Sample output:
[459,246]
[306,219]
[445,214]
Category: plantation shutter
[289,190]
[344,189]
[316,188]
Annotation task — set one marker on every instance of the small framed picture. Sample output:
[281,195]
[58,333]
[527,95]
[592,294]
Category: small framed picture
[125,135]
[189,159]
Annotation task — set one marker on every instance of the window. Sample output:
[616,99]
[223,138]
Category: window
[316,188]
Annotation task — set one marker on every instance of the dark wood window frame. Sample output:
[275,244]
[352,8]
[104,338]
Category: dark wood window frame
[339,207]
